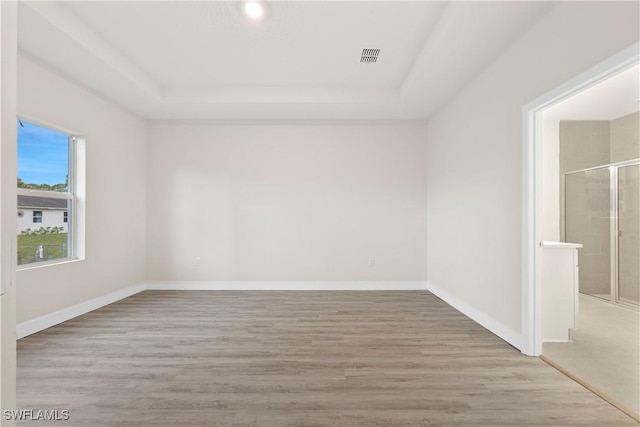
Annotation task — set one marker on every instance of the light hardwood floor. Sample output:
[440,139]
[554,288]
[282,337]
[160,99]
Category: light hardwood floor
[199,358]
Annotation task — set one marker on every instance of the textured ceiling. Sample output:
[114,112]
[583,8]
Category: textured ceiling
[205,60]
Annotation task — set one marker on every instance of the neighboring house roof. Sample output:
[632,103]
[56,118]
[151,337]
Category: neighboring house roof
[41,202]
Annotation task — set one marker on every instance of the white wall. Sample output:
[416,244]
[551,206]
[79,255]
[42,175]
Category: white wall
[551,178]
[115,193]
[287,202]
[8,47]
[474,156]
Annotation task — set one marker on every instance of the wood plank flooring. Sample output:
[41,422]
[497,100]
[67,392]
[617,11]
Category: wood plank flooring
[282,358]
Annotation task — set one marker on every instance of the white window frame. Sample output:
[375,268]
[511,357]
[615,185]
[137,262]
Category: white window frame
[75,195]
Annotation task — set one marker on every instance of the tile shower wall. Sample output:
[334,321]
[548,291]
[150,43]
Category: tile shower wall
[587,209]
[625,138]
[625,145]
[583,144]
[585,216]
[629,242]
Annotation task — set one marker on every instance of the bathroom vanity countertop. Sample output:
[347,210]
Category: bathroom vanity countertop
[559,245]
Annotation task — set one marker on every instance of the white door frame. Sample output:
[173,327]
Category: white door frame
[532,187]
[8,88]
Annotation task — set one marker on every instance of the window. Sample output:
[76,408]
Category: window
[46,186]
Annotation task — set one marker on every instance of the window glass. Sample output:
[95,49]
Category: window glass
[43,158]
[45,193]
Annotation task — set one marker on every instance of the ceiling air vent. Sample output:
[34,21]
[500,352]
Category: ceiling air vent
[369,56]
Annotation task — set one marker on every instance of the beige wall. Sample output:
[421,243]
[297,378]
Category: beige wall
[287,202]
[583,144]
[588,212]
[474,156]
[115,194]
[629,242]
[625,145]
[625,138]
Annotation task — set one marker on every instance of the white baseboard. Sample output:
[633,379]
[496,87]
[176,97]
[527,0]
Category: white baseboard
[288,286]
[497,328]
[43,322]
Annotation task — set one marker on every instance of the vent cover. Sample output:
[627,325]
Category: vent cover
[369,56]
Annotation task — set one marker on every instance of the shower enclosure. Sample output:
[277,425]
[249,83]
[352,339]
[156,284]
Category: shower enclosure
[601,211]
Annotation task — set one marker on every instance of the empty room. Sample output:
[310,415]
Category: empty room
[335,213]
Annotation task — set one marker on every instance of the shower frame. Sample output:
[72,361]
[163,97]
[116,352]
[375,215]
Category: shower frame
[614,295]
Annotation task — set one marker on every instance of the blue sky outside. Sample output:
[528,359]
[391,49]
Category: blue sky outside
[43,155]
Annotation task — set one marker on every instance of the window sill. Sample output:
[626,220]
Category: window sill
[42,264]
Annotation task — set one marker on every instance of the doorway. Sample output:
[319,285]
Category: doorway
[597,145]
[534,162]
[612,182]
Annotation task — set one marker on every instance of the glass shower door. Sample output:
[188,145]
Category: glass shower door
[588,221]
[629,234]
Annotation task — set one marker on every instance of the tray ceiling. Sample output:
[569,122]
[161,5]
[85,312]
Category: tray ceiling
[206,60]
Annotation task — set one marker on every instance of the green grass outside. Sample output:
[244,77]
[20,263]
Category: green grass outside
[54,245]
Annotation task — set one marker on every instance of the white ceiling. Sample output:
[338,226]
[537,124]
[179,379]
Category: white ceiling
[205,60]
[613,98]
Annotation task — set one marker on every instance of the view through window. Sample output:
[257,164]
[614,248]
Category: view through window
[45,193]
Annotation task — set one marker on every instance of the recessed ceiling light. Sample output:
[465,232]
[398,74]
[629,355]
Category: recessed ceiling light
[254,10]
